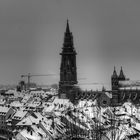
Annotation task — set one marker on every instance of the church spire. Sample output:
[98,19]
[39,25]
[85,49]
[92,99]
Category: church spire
[121,76]
[114,80]
[114,73]
[68,39]
[68,70]
[67,27]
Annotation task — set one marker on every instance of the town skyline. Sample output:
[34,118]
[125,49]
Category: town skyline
[106,34]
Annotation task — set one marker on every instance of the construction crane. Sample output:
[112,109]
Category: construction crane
[32,75]
[28,76]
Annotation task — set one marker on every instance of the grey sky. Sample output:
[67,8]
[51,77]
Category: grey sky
[106,33]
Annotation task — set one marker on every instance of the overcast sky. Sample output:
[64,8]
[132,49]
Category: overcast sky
[106,33]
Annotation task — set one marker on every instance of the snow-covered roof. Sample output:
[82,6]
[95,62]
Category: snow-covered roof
[16,104]
[130,88]
[108,94]
[27,121]
[30,135]
[48,129]
[38,130]
[2,101]
[49,108]
[61,101]
[31,119]
[10,91]
[37,92]
[85,103]
[19,114]
[3,109]
[34,104]
[86,113]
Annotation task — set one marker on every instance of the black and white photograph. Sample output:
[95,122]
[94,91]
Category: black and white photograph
[69,70]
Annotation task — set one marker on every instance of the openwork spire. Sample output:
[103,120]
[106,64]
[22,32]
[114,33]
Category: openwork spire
[67,27]
[68,40]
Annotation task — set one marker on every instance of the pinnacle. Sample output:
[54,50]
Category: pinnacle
[67,27]
[114,72]
[121,73]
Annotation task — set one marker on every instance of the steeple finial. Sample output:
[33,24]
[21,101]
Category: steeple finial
[114,68]
[67,27]
[121,71]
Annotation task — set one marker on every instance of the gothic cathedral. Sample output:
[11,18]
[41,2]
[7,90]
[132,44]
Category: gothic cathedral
[68,71]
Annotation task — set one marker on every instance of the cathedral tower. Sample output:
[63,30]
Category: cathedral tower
[114,80]
[121,76]
[68,71]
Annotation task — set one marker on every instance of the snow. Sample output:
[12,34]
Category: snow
[48,129]
[26,121]
[10,91]
[108,94]
[33,136]
[3,109]
[38,130]
[16,104]
[2,101]
[121,121]
[19,114]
